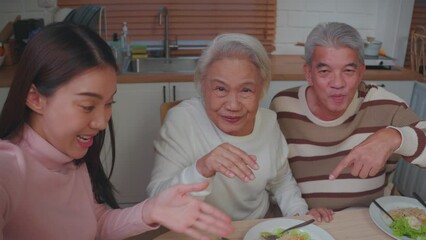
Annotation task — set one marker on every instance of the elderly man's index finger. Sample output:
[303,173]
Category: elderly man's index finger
[338,170]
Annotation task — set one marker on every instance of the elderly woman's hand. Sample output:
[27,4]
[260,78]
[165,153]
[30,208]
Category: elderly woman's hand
[322,214]
[228,160]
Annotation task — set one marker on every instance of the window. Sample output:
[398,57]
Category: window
[188,19]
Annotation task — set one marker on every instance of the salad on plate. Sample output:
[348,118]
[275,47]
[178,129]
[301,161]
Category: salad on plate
[409,222]
[294,234]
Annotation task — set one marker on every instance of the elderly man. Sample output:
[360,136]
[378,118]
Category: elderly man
[344,135]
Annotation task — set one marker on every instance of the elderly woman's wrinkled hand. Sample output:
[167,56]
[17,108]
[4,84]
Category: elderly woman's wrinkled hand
[322,214]
[177,210]
[230,161]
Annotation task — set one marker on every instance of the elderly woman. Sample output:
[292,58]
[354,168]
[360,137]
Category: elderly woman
[225,138]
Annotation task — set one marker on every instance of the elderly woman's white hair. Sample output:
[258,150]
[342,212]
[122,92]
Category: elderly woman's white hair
[234,45]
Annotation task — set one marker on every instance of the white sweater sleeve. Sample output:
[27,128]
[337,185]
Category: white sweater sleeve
[412,143]
[284,187]
[174,159]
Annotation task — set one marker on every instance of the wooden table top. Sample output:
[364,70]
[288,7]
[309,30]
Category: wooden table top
[350,224]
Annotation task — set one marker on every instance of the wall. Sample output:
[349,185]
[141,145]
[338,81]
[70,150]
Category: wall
[386,20]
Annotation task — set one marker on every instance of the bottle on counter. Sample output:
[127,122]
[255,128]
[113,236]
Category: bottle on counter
[124,40]
[117,50]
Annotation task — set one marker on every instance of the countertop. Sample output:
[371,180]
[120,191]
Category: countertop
[284,67]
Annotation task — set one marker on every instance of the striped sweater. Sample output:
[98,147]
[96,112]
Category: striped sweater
[317,146]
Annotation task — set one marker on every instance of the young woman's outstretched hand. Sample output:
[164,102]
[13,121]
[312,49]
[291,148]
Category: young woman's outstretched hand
[177,210]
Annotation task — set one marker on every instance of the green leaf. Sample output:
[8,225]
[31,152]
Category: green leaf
[401,227]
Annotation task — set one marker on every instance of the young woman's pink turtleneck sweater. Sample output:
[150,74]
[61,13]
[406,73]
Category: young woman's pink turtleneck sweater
[43,195]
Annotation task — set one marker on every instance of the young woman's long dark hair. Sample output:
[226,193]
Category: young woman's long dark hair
[51,58]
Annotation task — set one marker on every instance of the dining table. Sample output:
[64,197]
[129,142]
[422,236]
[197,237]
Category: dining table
[348,224]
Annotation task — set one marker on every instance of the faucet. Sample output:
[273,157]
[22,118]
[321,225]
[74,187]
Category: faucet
[164,13]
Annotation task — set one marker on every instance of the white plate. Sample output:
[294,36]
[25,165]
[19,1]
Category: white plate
[314,231]
[390,203]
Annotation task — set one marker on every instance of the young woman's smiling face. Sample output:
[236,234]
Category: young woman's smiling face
[232,89]
[76,112]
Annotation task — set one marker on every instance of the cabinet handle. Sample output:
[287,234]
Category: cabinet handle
[164,94]
[174,92]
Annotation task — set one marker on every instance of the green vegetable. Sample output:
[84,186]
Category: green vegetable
[401,227]
[297,232]
[276,232]
[293,232]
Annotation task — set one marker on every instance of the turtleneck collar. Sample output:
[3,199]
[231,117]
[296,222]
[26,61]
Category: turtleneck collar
[43,151]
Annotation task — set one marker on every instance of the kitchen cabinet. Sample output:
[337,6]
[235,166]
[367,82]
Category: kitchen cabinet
[403,89]
[181,90]
[136,116]
[3,96]
[418,99]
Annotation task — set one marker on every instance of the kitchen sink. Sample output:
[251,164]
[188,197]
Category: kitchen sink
[162,65]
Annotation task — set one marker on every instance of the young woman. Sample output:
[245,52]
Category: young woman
[52,126]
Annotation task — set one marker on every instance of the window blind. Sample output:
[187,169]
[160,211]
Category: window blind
[188,19]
